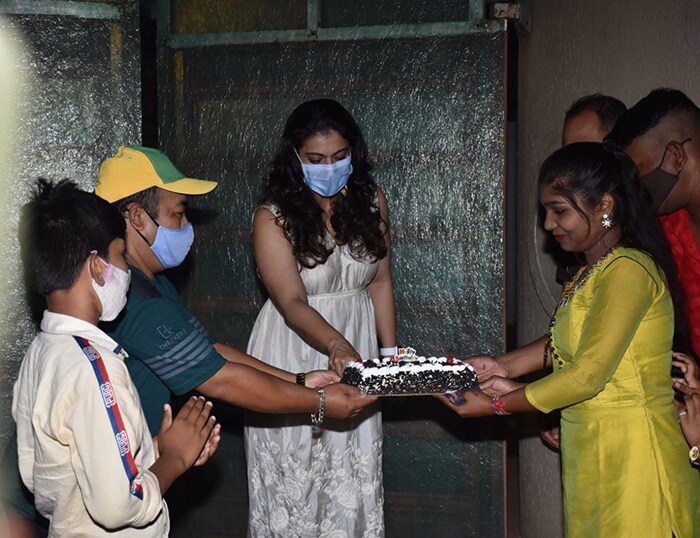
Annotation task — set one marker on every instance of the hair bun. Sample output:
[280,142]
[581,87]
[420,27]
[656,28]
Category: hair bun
[611,145]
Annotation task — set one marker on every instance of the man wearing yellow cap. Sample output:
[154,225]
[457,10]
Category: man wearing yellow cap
[169,349]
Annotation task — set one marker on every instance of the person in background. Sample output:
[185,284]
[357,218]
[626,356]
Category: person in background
[661,133]
[625,469]
[84,448]
[590,118]
[322,247]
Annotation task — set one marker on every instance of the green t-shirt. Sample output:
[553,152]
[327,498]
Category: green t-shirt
[169,349]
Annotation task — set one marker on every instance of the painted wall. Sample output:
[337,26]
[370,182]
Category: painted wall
[623,48]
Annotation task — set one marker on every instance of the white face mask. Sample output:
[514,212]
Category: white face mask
[112,294]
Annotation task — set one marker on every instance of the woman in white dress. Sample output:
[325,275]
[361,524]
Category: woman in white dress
[322,248]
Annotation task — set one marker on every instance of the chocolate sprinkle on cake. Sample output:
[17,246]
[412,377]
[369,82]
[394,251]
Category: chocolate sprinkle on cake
[406,373]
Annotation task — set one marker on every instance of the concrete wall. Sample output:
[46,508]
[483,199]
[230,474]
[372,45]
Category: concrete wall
[623,48]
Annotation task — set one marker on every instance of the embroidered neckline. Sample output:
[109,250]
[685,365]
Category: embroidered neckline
[579,281]
[567,293]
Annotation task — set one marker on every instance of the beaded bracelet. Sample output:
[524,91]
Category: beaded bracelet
[317,418]
[499,406]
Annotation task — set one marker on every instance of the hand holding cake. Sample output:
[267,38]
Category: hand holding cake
[320,378]
[498,386]
[340,354]
[486,366]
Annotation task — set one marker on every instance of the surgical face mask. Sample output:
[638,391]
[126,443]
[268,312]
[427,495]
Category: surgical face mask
[660,183]
[112,294]
[171,244]
[327,179]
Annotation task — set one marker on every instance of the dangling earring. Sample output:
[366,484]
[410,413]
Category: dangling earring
[607,221]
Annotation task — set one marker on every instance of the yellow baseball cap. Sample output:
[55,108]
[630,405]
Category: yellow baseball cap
[135,168]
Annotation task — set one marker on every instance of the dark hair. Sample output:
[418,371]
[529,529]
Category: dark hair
[586,171]
[356,218]
[607,108]
[149,199]
[59,227]
[648,113]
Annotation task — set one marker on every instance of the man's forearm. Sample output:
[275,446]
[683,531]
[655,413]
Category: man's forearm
[232,354]
[246,386]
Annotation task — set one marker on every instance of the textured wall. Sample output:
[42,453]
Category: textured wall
[77,100]
[623,48]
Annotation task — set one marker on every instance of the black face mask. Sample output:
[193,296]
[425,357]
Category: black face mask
[660,183]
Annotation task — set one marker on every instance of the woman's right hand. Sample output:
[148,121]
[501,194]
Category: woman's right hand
[343,401]
[340,353]
[486,366]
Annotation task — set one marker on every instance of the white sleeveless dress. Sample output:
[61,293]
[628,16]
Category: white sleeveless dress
[329,483]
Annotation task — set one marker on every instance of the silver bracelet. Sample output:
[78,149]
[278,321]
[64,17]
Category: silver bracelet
[317,418]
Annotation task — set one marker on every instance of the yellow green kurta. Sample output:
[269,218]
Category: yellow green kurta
[624,458]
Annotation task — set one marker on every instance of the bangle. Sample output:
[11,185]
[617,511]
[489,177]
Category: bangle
[301,379]
[388,351]
[317,418]
[499,406]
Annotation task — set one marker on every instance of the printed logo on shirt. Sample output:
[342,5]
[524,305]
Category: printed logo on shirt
[91,353]
[169,336]
[123,442]
[136,489]
[165,332]
[108,394]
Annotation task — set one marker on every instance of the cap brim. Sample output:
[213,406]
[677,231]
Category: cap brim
[189,186]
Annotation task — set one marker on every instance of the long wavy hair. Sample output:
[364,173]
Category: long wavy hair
[585,171]
[355,219]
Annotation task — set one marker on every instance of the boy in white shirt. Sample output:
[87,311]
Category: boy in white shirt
[84,447]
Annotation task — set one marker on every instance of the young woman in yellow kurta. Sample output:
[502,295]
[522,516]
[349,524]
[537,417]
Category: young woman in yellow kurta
[624,459]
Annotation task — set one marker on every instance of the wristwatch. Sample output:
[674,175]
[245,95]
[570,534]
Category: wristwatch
[694,454]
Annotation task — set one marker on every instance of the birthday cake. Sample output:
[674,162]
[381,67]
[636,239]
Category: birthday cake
[407,373]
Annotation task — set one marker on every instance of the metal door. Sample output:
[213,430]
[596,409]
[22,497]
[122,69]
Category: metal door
[425,81]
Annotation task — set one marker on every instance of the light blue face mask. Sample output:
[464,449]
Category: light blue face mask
[327,179]
[171,244]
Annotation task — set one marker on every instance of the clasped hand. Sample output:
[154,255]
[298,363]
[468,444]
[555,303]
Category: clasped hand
[192,437]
